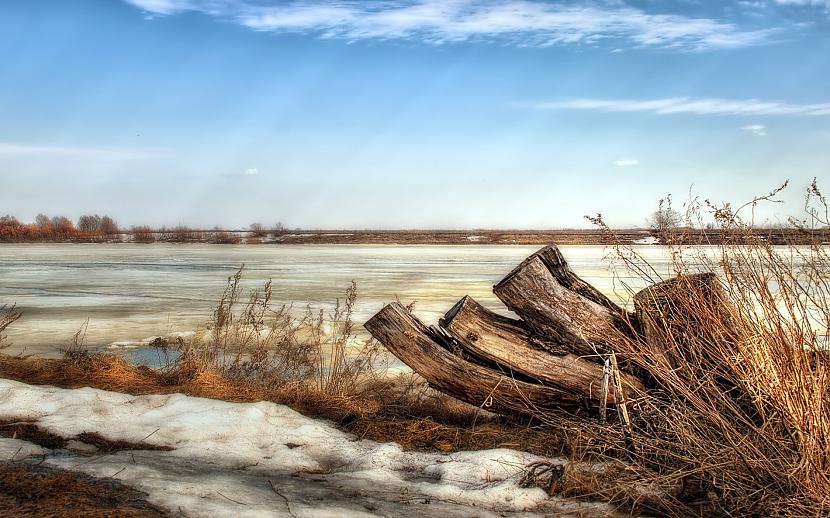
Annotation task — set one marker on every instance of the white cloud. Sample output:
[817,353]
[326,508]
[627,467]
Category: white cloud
[805,3]
[163,6]
[758,130]
[687,105]
[253,171]
[517,22]
[627,162]
[13,149]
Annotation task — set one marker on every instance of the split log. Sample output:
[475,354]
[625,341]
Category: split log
[560,307]
[508,343]
[686,320]
[424,350]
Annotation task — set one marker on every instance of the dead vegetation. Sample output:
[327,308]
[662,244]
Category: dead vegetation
[736,418]
[30,490]
[31,432]
[8,316]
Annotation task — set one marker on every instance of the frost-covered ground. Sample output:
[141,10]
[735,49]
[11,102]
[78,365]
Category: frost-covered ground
[264,459]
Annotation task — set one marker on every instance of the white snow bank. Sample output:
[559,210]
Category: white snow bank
[15,449]
[648,240]
[264,459]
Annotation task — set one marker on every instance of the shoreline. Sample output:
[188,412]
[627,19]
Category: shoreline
[686,236]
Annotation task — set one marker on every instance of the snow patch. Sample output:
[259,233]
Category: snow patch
[648,240]
[264,459]
[15,449]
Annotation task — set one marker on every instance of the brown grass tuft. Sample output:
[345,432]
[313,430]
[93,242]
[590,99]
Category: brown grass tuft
[736,421]
[28,490]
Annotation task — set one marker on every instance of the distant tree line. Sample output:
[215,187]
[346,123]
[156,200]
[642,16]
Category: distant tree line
[95,228]
[91,227]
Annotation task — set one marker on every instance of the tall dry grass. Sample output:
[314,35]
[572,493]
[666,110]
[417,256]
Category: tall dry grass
[253,339]
[736,419]
[8,316]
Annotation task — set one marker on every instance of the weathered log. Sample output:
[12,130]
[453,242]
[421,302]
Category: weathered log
[508,343]
[425,352]
[560,307]
[685,320]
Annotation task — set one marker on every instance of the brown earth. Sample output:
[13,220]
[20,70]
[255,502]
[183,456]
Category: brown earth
[29,490]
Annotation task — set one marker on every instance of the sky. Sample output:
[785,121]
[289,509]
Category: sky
[408,113]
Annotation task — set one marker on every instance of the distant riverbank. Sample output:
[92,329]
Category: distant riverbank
[447,237]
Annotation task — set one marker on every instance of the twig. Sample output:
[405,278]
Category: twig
[151,433]
[287,503]
[603,391]
[229,498]
[15,453]
[622,407]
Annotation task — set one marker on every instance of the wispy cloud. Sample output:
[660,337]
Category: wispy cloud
[688,105]
[759,130]
[805,3]
[627,162]
[166,7]
[14,149]
[253,171]
[516,22]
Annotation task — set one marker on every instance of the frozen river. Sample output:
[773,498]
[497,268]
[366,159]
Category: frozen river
[131,292]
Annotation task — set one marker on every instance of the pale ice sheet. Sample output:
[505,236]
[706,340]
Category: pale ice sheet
[264,459]
[129,292]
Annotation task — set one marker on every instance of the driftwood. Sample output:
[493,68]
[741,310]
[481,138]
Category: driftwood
[685,308]
[423,351]
[561,354]
[560,307]
[678,311]
[508,343]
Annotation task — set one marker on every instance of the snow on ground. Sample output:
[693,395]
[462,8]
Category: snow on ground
[264,459]
[648,240]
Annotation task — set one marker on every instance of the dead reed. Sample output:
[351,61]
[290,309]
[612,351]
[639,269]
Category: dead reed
[255,340]
[8,316]
[736,420]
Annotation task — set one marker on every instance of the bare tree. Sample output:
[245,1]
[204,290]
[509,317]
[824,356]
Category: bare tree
[62,226]
[665,218]
[89,223]
[108,226]
[142,234]
[278,229]
[44,223]
[257,230]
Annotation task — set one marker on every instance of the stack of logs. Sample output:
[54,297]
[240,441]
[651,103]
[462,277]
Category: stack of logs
[558,356]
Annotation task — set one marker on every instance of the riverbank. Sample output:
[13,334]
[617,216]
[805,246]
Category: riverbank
[200,456]
[633,236]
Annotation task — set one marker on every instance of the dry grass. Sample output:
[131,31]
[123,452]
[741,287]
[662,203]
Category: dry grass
[31,432]
[29,491]
[736,421]
[8,316]
[260,342]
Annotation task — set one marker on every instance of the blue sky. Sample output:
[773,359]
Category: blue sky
[398,114]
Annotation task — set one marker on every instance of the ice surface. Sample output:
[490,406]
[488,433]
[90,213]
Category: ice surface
[15,449]
[264,459]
